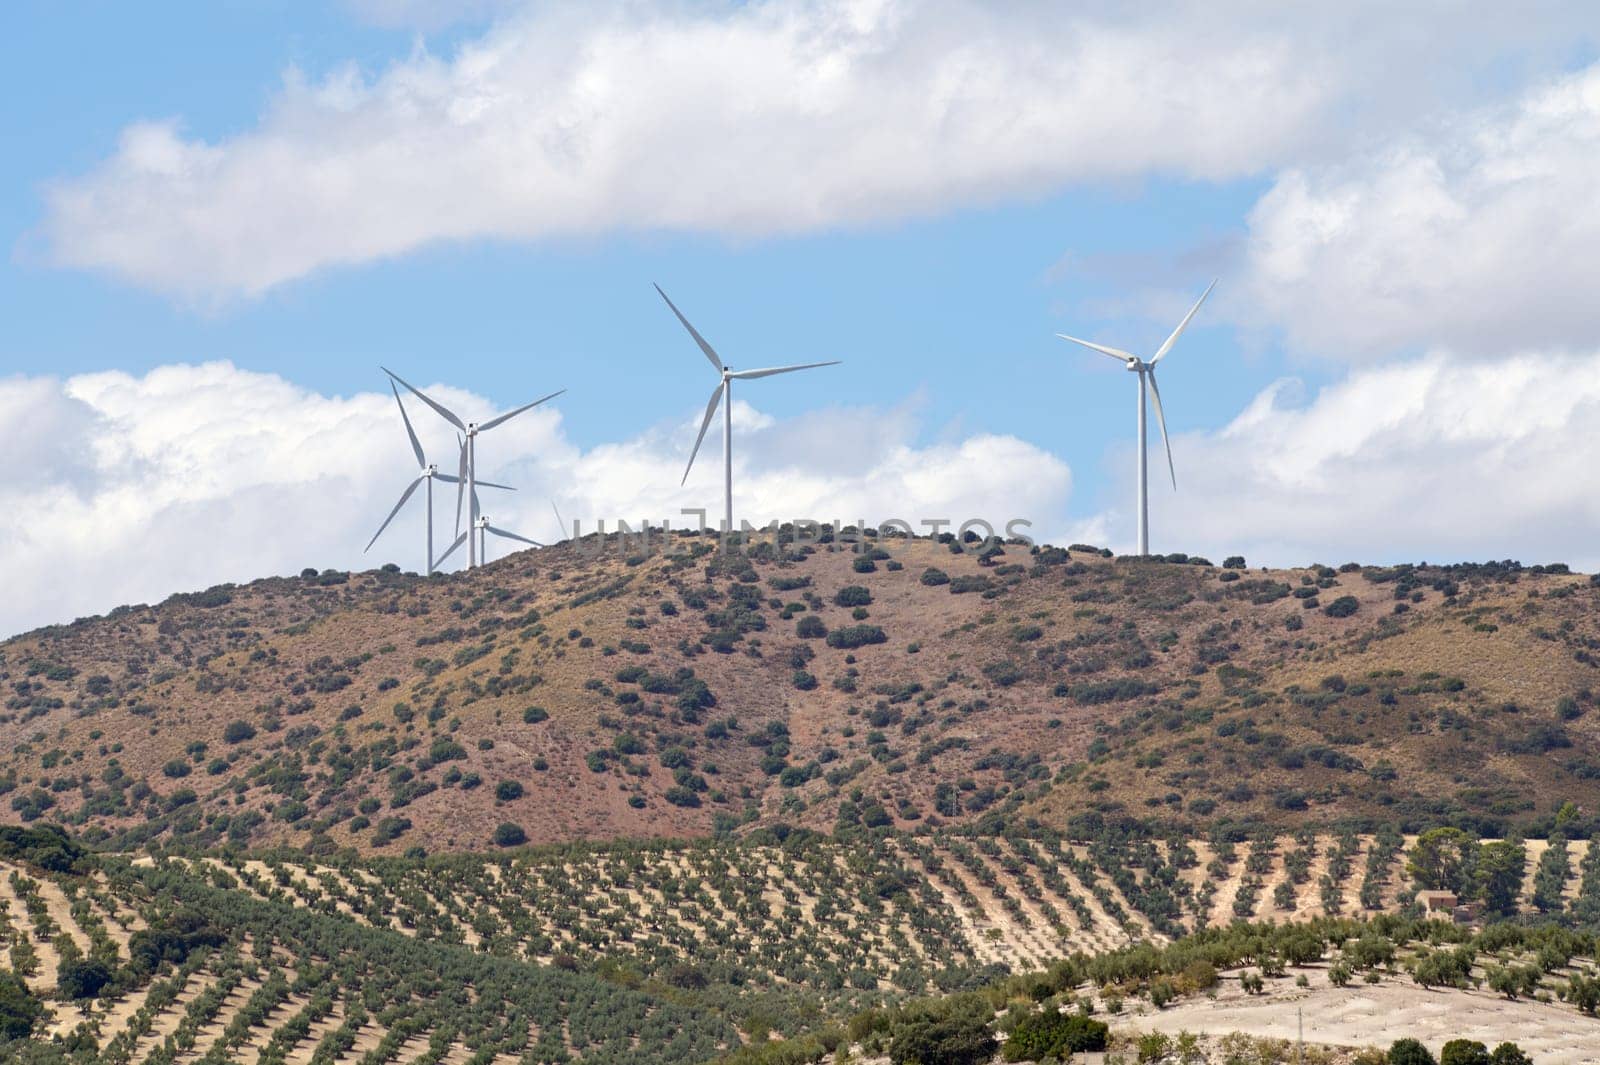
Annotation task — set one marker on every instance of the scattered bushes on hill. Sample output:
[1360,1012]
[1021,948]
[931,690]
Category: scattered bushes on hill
[953,1031]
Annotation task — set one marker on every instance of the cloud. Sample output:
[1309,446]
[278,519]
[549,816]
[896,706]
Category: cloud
[1436,458]
[756,119]
[132,488]
[1476,235]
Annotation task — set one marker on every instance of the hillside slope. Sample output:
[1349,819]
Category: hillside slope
[579,693]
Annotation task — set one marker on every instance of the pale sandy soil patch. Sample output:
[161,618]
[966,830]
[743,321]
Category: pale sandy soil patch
[1378,1015]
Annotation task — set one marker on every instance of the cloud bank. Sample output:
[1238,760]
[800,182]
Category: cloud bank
[758,119]
[1477,235]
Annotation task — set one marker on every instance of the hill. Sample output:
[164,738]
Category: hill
[594,691]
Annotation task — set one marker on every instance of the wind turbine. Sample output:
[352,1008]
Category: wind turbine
[429,473]
[469,456]
[1147,372]
[482,528]
[724,392]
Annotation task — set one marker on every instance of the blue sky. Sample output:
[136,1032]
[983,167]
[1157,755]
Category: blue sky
[264,184]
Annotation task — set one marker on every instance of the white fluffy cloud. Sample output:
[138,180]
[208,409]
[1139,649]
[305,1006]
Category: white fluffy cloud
[126,489]
[1478,234]
[1436,459]
[755,119]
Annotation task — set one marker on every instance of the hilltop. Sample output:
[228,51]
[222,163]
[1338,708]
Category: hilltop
[592,691]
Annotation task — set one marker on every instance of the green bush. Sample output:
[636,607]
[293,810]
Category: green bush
[239,732]
[507,834]
[508,790]
[1052,1034]
[1342,607]
[934,577]
[853,636]
[852,595]
[535,714]
[811,628]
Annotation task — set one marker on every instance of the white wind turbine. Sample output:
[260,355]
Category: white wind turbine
[724,392]
[1147,372]
[481,541]
[429,473]
[469,457]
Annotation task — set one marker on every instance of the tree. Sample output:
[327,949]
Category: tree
[1409,1052]
[1442,859]
[1509,1054]
[953,1031]
[1464,1052]
[19,1010]
[81,978]
[1498,875]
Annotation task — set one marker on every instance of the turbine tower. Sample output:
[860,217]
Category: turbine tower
[469,457]
[1147,374]
[429,473]
[724,392]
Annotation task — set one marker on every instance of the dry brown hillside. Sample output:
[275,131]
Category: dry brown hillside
[572,694]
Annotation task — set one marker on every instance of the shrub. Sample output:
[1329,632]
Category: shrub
[1342,607]
[1054,1035]
[176,768]
[856,636]
[811,628]
[239,732]
[446,750]
[508,790]
[852,595]
[934,577]
[507,834]
[535,714]
[804,681]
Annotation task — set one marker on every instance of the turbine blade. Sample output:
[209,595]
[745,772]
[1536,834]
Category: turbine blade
[512,536]
[1161,420]
[1115,353]
[450,550]
[416,445]
[442,411]
[506,417]
[716,360]
[491,484]
[561,525]
[751,375]
[461,480]
[412,487]
[1173,339]
[711,409]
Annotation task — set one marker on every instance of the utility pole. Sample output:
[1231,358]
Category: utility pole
[1300,1038]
